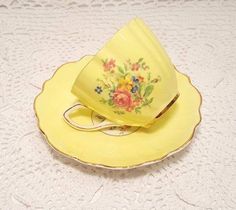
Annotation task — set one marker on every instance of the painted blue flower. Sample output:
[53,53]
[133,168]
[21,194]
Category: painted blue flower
[98,89]
[134,89]
[136,80]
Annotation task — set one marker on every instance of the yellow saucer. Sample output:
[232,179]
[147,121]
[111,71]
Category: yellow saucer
[171,132]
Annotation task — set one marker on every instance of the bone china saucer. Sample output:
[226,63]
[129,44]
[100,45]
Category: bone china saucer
[117,149]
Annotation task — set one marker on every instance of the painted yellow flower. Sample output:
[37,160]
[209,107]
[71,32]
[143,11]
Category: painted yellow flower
[125,83]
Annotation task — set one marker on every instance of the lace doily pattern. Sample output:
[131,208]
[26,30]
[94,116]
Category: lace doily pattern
[38,36]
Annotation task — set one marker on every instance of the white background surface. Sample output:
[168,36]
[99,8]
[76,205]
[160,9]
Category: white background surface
[38,36]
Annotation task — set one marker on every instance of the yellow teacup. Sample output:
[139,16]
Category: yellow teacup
[130,81]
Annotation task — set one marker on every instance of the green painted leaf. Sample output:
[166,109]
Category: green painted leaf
[119,112]
[113,86]
[126,68]
[148,90]
[147,102]
[137,110]
[104,61]
[110,102]
[120,70]
[150,100]
[140,60]
[140,89]
[102,100]
[154,80]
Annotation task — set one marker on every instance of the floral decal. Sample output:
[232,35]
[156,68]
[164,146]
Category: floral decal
[126,88]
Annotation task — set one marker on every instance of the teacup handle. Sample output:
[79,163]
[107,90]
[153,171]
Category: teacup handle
[99,126]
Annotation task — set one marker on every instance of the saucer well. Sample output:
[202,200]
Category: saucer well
[169,134]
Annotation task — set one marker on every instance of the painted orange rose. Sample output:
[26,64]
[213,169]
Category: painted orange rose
[122,98]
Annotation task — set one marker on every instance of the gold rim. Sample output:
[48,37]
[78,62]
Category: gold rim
[117,167]
[168,106]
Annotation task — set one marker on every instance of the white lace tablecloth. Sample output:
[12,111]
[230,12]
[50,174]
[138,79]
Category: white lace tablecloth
[38,36]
